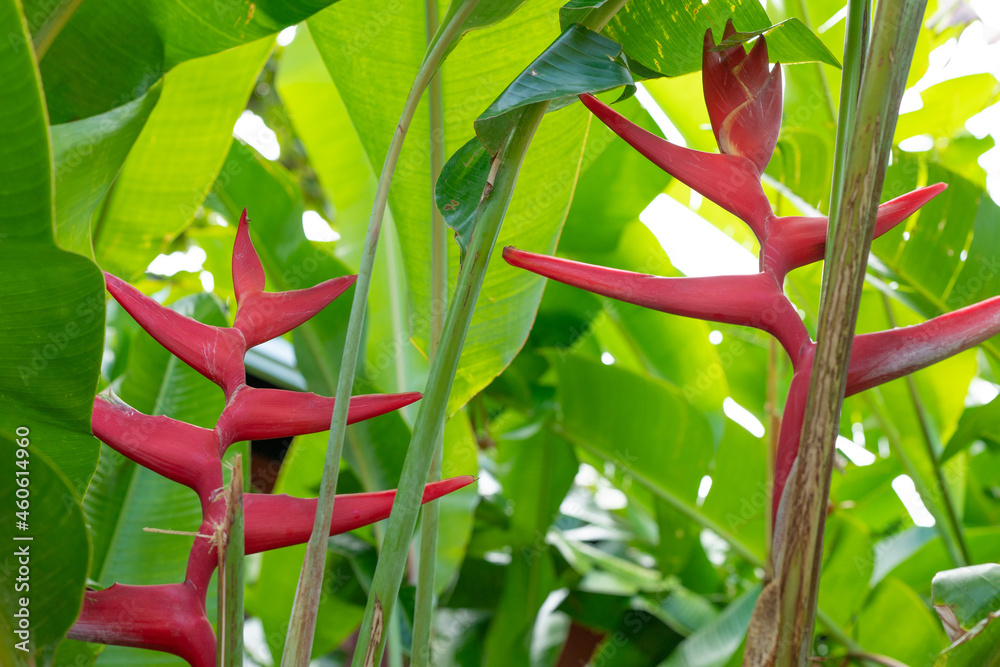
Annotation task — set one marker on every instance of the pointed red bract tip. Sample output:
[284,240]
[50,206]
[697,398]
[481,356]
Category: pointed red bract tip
[753,300]
[731,181]
[743,97]
[275,521]
[166,617]
[899,209]
[793,242]
[262,316]
[248,273]
[261,414]
[877,358]
[215,352]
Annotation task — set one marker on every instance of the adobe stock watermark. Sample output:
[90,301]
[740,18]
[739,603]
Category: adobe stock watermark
[21,621]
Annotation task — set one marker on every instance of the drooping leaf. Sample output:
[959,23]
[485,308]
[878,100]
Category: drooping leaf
[87,155]
[461,189]
[109,52]
[578,61]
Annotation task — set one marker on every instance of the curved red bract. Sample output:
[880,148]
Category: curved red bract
[744,104]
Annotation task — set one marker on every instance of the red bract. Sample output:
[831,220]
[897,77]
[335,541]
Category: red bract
[743,98]
[172,617]
[744,104]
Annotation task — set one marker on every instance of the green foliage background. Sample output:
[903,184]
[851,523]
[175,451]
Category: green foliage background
[116,146]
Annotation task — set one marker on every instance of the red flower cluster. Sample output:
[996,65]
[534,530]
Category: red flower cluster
[171,617]
[744,104]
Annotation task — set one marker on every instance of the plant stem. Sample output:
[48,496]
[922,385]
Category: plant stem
[231,549]
[430,419]
[423,610]
[303,621]
[782,627]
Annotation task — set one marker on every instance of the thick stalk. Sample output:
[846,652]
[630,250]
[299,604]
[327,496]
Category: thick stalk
[303,621]
[799,535]
[423,611]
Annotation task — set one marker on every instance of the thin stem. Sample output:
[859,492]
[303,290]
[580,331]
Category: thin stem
[863,156]
[431,417]
[423,612]
[304,608]
[953,536]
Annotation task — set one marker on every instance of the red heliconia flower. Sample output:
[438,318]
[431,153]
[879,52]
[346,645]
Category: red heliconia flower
[171,617]
[743,98]
[744,104]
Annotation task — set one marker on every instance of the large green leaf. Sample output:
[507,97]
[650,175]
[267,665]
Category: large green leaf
[125,498]
[45,565]
[509,297]
[110,51]
[88,154]
[178,155]
[947,106]
[51,300]
[848,561]
[667,35]
[663,442]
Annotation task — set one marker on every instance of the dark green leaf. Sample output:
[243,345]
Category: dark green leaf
[460,189]
[51,300]
[579,61]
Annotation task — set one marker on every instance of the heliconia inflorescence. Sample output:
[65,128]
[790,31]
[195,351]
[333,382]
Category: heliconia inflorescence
[744,105]
[172,617]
